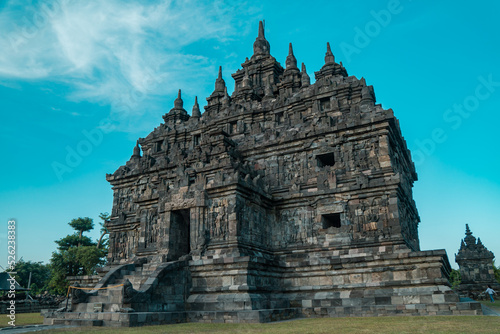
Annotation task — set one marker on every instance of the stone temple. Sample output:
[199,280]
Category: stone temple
[476,267]
[284,199]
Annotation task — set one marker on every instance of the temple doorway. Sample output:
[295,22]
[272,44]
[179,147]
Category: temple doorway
[179,234]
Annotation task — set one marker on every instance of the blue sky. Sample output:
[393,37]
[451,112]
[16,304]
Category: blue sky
[81,81]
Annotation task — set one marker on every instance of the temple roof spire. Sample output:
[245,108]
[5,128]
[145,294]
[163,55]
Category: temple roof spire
[220,84]
[261,30]
[305,79]
[330,68]
[291,61]
[247,83]
[329,57]
[137,151]
[178,103]
[226,99]
[469,238]
[196,109]
[215,99]
[467,230]
[261,45]
[177,113]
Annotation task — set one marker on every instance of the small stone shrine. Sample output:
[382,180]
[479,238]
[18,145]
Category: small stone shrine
[285,199]
[476,267]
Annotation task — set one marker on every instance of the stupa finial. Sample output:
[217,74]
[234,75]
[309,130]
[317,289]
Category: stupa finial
[261,45]
[178,103]
[137,151]
[291,61]
[329,57]
[305,79]
[261,30]
[220,84]
[196,109]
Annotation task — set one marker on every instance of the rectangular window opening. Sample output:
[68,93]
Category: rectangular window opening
[324,104]
[331,220]
[280,118]
[191,179]
[196,140]
[326,159]
[158,145]
[332,121]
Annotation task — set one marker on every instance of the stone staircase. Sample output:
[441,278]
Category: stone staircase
[108,300]
[104,306]
[139,276]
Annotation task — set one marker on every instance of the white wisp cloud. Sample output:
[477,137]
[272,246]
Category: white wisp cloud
[106,50]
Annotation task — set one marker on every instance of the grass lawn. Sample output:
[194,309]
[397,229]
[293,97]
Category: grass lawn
[495,305]
[22,319]
[400,325]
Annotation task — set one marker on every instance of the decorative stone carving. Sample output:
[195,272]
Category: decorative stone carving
[78,295]
[476,266]
[285,199]
[130,295]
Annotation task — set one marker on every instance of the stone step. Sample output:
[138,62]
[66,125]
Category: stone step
[105,297]
[103,271]
[111,299]
[136,280]
[103,292]
[98,299]
[137,277]
[116,319]
[80,307]
[125,272]
[79,322]
[108,319]
[97,307]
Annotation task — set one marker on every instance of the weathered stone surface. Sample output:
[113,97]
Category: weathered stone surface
[286,199]
[476,267]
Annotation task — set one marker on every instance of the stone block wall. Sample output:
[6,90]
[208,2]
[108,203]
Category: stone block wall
[287,198]
[85,281]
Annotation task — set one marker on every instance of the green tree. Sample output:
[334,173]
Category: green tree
[82,224]
[104,230]
[76,255]
[40,275]
[89,257]
[497,272]
[60,267]
[73,240]
[35,290]
[455,278]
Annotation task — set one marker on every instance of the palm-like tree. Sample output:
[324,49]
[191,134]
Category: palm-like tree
[105,219]
[80,224]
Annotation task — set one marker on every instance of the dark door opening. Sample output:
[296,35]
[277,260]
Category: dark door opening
[179,233]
